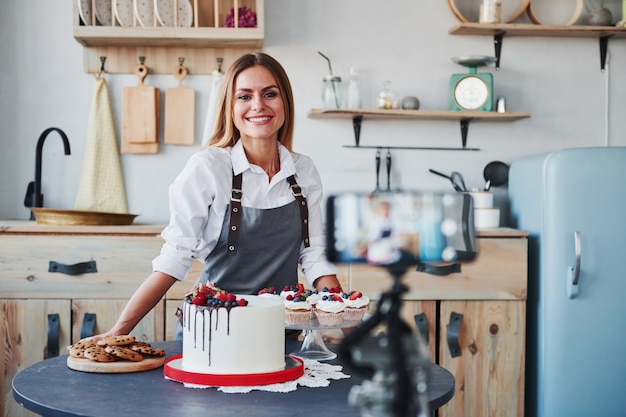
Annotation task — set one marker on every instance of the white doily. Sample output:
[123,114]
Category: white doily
[316,374]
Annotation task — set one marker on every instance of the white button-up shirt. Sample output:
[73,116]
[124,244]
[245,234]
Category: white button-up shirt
[201,192]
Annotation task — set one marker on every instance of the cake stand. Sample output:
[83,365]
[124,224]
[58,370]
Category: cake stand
[313,345]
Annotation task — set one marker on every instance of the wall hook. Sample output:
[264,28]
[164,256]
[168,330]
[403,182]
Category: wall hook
[102,61]
[181,60]
[142,59]
[219,64]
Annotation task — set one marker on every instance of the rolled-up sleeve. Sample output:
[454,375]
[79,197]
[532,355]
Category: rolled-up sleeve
[313,259]
[190,195]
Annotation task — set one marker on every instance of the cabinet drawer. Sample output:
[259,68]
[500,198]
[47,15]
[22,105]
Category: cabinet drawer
[122,262]
[499,272]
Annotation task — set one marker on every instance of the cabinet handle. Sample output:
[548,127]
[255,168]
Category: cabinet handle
[454,328]
[421,322]
[573,272]
[76,269]
[53,336]
[439,270]
[89,323]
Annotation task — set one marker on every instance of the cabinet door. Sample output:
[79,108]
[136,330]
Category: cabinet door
[24,326]
[489,371]
[150,328]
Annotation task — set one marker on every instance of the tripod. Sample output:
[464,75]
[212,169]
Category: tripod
[396,361]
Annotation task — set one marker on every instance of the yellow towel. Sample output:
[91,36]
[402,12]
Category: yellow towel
[101,185]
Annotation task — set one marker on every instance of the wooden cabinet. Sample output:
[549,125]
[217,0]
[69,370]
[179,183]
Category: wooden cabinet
[44,306]
[200,40]
[475,321]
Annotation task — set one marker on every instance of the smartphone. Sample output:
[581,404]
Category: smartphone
[385,227]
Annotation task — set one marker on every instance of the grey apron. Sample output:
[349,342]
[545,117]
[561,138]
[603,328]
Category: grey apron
[268,252]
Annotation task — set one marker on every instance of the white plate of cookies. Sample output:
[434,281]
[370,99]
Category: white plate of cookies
[114,354]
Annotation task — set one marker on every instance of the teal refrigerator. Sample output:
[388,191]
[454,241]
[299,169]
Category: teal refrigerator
[572,202]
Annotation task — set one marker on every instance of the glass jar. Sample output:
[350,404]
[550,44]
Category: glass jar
[387,98]
[490,11]
[332,92]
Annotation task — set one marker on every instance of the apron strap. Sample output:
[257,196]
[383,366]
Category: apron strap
[235,215]
[235,212]
[304,210]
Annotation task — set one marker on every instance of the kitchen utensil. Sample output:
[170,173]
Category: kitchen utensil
[86,365]
[377,171]
[179,111]
[140,117]
[455,178]
[388,170]
[496,173]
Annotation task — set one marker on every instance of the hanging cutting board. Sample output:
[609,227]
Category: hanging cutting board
[179,112]
[140,116]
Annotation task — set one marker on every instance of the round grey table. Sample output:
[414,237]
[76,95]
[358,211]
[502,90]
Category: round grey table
[50,388]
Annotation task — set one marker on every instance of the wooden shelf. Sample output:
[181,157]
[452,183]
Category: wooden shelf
[169,36]
[499,30]
[515,29]
[415,115]
[464,117]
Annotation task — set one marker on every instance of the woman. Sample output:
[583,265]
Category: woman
[246,205]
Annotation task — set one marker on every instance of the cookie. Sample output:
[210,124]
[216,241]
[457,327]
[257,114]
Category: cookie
[149,350]
[124,353]
[98,354]
[116,340]
[77,350]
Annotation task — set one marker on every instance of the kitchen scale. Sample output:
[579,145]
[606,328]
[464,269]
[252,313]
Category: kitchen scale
[474,90]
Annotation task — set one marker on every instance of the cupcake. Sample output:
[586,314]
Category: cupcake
[329,310]
[297,310]
[356,305]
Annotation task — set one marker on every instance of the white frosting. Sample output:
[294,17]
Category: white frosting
[360,302]
[313,298]
[297,305]
[330,306]
[244,340]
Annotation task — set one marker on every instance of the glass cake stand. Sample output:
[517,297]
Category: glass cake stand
[313,345]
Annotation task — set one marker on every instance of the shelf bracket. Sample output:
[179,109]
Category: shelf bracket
[498,38]
[464,129]
[356,123]
[604,42]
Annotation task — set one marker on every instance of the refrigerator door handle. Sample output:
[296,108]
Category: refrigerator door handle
[573,272]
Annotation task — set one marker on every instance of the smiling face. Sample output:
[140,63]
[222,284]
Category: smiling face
[258,107]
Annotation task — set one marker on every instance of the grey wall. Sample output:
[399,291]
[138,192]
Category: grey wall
[558,80]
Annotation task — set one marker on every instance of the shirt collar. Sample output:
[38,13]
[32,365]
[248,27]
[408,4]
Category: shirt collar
[241,163]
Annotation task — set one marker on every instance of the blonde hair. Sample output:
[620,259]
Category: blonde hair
[226,134]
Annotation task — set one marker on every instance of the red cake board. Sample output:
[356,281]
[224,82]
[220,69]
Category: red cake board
[294,369]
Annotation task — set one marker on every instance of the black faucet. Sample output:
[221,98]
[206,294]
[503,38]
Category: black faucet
[34,197]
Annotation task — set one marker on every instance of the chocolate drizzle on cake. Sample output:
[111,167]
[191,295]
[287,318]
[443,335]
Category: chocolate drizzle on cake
[205,311]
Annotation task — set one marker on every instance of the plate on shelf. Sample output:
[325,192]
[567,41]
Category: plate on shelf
[84,11]
[144,11]
[164,10]
[555,13]
[123,12]
[103,12]
[467,11]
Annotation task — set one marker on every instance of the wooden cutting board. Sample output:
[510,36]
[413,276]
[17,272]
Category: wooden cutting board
[179,112]
[140,116]
[86,365]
